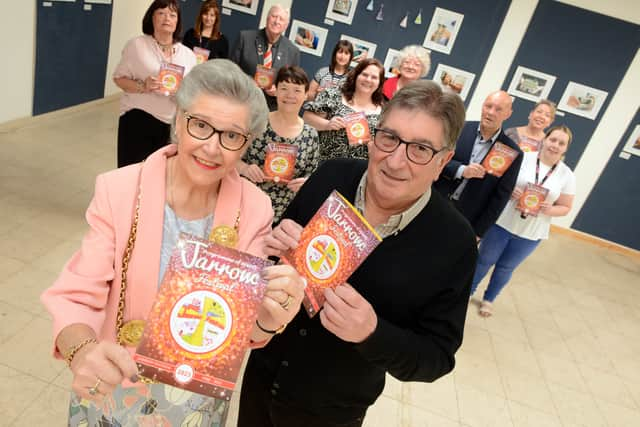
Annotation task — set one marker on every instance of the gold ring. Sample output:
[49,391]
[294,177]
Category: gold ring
[94,390]
[287,303]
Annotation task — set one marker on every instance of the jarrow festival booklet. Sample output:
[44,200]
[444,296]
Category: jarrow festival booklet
[531,199]
[332,246]
[499,158]
[200,325]
[170,77]
[280,162]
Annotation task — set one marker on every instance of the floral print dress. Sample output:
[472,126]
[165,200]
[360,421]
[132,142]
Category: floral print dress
[334,143]
[306,162]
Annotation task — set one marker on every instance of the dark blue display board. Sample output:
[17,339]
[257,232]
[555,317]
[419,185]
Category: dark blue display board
[576,45]
[611,210]
[480,26]
[72,48]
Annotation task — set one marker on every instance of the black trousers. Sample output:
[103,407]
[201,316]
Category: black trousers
[260,407]
[139,134]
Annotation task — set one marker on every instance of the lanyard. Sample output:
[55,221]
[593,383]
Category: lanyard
[549,172]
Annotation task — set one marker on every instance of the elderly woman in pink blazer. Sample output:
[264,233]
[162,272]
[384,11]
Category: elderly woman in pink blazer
[189,186]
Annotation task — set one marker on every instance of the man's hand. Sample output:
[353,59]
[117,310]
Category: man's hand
[473,170]
[283,237]
[347,315]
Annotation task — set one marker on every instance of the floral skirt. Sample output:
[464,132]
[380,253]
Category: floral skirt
[158,405]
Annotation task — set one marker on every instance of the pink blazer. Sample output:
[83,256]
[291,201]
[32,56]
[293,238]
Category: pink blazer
[88,288]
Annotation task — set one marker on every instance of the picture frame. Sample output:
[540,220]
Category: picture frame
[454,79]
[531,84]
[249,7]
[307,37]
[443,30]
[341,10]
[391,66]
[361,49]
[582,100]
[633,143]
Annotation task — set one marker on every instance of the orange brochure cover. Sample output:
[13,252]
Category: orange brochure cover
[332,246]
[170,78]
[200,325]
[202,55]
[531,199]
[527,144]
[280,162]
[499,158]
[264,77]
[357,128]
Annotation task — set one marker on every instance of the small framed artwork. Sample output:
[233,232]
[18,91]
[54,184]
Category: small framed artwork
[531,84]
[361,49]
[633,144]
[307,37]
[443,30]
[391,63]
[341,10]
[245,6]
[582,100]
[459,81]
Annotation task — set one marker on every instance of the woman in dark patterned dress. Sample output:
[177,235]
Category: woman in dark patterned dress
[284,127]
[361,92]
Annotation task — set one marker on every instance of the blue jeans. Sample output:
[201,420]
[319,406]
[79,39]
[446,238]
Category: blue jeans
[504,250]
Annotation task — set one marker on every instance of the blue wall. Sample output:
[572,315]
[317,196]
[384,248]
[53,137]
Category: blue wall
[480,26]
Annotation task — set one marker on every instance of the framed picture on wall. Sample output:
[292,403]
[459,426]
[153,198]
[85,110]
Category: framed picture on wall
[361,49]
[582,100]
[633,144]
[309,38]
[391,65]
[245,6]
[531,84]
[454,79]
[341,10]
[443,30]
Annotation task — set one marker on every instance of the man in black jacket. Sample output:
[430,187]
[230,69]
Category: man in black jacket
[479,196]
[402,311]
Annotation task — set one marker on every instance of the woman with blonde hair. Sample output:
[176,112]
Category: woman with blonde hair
[413,62]
[530,136]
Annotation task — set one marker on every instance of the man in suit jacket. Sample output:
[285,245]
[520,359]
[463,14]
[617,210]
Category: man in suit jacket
[479,196]
[252,46]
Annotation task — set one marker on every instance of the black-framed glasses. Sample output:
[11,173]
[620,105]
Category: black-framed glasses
[200,129]
[417,152]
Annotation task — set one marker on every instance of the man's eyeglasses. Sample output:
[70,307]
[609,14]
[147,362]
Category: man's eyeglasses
[417,152]
[200,129]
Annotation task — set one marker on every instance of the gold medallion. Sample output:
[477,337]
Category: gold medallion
[225,236]
[131,332]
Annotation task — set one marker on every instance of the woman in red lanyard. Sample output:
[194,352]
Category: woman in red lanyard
[545,188]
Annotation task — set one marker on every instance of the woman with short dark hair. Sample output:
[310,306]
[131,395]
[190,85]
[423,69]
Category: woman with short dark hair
[146,108]
[360,93]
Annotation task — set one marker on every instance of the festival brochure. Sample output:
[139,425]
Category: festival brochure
[499,158]
[357,128]
[332,246]
[280,162]
[264,77]
[200,324]
[527,144]
[531,199]
[170,77]
[202,54]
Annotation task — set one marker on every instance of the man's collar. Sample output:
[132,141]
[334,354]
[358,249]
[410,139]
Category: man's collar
[493,137]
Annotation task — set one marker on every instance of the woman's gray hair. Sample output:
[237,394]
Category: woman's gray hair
[221,77]
[416,51]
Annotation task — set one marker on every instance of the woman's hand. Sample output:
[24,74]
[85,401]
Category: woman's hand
[335,123]
[517,193]
[271,91]
[101,367]
[283,237]
[545,207]
[295,184]
[253,173]
[282,299]
[152,84]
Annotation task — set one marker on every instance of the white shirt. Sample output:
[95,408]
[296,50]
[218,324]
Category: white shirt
[141,58]
[561,181]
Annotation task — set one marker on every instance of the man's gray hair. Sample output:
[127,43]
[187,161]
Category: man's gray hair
[427,97]
[221,77]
